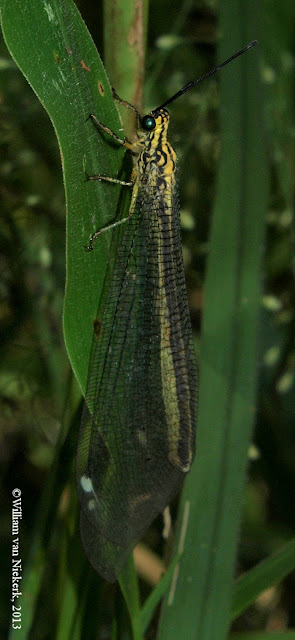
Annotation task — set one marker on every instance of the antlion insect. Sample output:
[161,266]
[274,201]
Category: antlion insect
[137,436]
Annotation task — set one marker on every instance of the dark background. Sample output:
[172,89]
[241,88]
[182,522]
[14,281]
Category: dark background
[35,375]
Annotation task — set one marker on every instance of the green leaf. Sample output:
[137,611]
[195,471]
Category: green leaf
[263,635]
[198,604]
[62,65]
[157,594]
[129,586]
[271,570]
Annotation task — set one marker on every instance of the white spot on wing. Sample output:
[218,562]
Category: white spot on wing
[86,484]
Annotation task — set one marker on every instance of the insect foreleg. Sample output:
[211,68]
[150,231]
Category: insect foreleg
[103,127]
[124,103]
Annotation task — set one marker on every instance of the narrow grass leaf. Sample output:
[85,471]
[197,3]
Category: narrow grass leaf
[198,604]
[157,594]
[271,570]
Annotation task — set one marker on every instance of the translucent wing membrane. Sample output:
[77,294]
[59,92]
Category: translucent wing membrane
[138,425]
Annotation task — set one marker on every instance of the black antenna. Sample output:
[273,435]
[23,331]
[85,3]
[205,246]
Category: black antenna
[193,83]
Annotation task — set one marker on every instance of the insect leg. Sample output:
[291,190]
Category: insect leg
[107,179]
[115,224]
[113,135]
[126,104]
[106,228]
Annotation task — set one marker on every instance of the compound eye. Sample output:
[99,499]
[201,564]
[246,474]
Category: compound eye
[148,123]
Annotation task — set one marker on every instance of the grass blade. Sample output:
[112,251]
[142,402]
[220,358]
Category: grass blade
[271,570]
[211,504]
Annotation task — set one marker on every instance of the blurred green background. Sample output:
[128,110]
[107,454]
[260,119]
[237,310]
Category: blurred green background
[35,376]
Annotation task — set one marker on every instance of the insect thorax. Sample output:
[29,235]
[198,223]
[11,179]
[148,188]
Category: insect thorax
[158,156]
